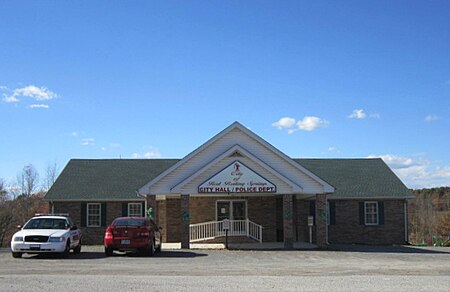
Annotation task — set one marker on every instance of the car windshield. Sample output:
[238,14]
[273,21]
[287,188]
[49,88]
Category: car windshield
[130,222]
[46,223]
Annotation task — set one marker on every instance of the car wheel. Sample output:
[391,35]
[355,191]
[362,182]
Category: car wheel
[108,251]
[77,249]
[16,255]
[66,250]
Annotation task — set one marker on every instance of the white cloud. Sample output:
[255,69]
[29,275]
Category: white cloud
[152,154]
[36,93]
[10,99]
[310,123]
[417,172]
[74,134]
[148,152]
[431,118]
[358,114]
[114,145]
[284,123]
[39,106]
[88,141]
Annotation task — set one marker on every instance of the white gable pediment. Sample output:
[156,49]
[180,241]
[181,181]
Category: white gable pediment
[236,143]
[221,170]
[237,178]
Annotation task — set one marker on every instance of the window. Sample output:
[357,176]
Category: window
[233,210]
[135,210]
[93,215]
[371,213]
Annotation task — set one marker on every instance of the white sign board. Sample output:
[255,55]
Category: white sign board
[237,178]
[310,220]
[226,224]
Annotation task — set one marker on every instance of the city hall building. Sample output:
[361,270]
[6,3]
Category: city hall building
[240,184]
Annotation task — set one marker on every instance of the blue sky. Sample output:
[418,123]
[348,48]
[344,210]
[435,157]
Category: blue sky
[149,79]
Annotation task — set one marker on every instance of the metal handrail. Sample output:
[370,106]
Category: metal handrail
[213,229]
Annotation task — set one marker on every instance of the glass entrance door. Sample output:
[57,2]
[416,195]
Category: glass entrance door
[239,210]
[233,210]
[223,211]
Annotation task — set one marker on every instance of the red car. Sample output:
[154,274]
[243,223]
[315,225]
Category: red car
[132,234]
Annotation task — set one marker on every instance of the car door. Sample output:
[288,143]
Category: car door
[75,234]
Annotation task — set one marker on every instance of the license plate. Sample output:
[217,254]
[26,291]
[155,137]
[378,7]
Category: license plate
[35,247]
[125,241]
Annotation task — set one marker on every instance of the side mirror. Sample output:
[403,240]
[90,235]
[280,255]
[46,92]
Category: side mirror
[74,227]
[19,226]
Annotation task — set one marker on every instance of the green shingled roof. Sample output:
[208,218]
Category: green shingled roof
[358,178]
[119,179]
[105,179]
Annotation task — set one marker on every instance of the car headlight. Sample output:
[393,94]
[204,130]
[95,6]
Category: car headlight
[56,239]
[18,238]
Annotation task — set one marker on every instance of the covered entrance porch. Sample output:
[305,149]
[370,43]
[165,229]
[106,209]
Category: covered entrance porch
[236,175]
[196,219]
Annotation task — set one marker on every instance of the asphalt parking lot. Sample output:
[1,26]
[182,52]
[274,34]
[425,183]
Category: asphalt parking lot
[349,269]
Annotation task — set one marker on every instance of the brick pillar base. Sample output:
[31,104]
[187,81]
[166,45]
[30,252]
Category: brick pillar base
[321,220]
[185,221]
[288,221]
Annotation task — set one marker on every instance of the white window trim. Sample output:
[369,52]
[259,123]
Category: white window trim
[100,214]
[129,208]
[377,213]
[231,207]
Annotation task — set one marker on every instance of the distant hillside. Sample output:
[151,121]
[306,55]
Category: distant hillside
[429,215]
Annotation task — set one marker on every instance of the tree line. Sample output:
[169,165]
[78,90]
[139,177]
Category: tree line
[429,216]
[21,199]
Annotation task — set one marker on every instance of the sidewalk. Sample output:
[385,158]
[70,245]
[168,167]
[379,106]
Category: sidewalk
[240,246]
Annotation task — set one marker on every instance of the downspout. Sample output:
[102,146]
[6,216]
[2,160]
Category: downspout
[405,213]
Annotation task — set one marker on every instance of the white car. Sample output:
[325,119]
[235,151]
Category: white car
[47,234]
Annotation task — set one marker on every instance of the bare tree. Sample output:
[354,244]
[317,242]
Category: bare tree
[51,173]
[5,211]
[3,191]
[28,180]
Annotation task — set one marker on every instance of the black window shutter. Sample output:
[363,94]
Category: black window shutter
[124,209]
[103,215]
[312,210]
[380,213]
[361,213]
[143,209]
[332,212]
[83,214]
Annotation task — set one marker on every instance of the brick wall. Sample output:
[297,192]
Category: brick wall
[348,230]
[172,230]
[263,211]
[91,235]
